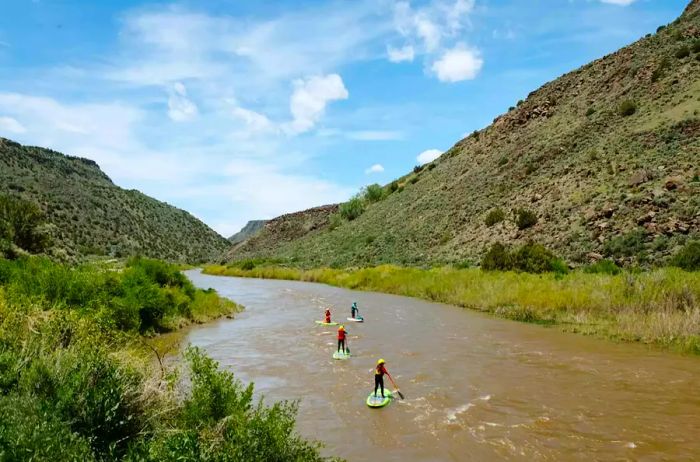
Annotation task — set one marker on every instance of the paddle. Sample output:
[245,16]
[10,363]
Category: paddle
[394,384]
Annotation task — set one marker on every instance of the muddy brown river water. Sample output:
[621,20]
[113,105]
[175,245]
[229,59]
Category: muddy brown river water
[477,388]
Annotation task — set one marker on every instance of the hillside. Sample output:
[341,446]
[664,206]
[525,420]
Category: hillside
[92,216]
[250,229]
[606,157]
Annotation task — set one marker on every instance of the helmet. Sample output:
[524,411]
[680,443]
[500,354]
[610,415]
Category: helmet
[354,303]
[381,361]
[341,327]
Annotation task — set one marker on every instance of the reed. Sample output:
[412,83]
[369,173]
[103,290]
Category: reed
[660,307]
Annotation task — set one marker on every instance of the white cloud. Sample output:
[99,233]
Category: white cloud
[376,168]
[310,98]
[619,2]
[428,155]
[254,121]
[374,135]
[459,63]
[11,125]
[397,55]
[180,108]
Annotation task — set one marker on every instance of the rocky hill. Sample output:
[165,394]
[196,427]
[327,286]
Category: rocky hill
[92,216]
[603,161]
[250,229]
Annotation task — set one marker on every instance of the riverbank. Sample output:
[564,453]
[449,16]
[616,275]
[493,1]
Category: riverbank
[660,307]
[79,379]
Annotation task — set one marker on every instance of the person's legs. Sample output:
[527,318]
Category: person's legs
[340,342]
[381,383]
[376,383]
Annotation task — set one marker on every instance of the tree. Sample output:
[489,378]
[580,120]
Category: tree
[22,225]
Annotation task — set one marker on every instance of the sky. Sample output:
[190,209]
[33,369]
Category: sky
[247,109]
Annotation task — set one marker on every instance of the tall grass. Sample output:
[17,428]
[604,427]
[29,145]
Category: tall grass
[660,307]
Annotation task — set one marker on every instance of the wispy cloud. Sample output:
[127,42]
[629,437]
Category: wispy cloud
[428,155]
[376,168]
[10,125]
[180,108]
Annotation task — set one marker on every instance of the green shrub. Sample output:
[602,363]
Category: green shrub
[497,259]
[494,216]
[334,221]
[682,52]
[393,186]
[695,47]
[590,111]
[660,28]
[417,169]
[502,161]
[352,209]
[373,193]
[627,245]
[627,108]
[603,267]
[414,180]
[525,218]
[247,265]
[535,258]
[22,223]
[688,258]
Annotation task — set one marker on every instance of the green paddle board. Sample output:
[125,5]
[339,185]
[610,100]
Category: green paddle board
[340,355]
[378,401]
[323,323]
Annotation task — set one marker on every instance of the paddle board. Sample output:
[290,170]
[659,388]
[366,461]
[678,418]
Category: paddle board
[356,319]
[340,355]
[378,401]
[324,323]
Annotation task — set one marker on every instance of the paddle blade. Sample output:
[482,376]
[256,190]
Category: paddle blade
[400,394]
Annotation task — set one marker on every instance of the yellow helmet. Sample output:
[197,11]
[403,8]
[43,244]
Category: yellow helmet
[341,327]
[381,361]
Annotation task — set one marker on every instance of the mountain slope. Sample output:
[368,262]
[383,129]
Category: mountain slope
[607,157]
[250,229]
[91,215]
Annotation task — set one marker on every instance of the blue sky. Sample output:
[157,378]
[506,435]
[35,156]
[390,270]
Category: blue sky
[238,110]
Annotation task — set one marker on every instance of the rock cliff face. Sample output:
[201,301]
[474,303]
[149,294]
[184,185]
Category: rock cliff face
[250,229]
[606,157]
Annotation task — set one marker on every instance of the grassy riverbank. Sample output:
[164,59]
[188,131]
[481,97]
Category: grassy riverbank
[79,380]
[660,307]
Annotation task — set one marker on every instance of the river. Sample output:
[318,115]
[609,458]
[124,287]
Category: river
[477,388]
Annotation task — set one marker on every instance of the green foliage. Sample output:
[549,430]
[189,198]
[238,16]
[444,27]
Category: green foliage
[627,108]
[494,216]
[334,221]
[590,111]
[393,186]
[373,193]
[352,209]
[528,258]
[660,28]
[525,218]
[695,47]
[417,169]
[22,224]
[603,267]
[682,52]
[502,161]
[688,258]
[497,258]
[414,180]
[627,245]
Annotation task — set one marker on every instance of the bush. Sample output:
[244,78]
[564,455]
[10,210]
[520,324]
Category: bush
[688,258]
[373,193]
[695,47]
[529,258]
[603,267]
[535,258]
[414,180]
[627,108]
[22,223]
[682,52]
[497,259]
[393,186]
[417,169]
[352,209]
[502,161]
[525,218]
[590,111]
[494,216]
[628,245]
[660,28]
[334,221]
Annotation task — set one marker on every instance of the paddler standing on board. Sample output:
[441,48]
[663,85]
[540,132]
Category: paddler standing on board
[328,315]
[379,372]
[341,339]
[354,311]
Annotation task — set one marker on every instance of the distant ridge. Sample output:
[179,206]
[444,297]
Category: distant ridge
[250,229]
[93,216]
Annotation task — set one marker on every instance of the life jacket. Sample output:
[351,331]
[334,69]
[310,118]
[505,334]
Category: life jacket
[341,334]
[380,370]
[328,315]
